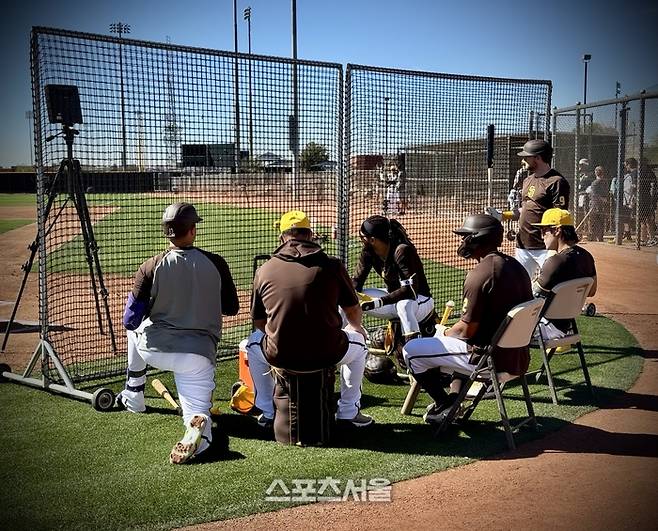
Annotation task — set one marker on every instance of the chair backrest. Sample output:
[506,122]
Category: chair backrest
[517,328]
[567,298]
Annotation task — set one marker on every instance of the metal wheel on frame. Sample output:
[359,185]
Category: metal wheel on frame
[103,399]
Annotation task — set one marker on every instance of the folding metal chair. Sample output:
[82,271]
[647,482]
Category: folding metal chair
[565,302]
[514,332]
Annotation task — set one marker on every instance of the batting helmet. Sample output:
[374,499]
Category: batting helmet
[178,219]
[479,231]
[380,369]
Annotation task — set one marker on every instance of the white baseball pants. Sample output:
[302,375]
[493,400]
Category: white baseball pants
[351,365]
[409,311]
[194,376]
[531,259]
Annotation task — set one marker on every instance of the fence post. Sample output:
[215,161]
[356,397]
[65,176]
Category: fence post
[576,178]
[640,164]
[621,156]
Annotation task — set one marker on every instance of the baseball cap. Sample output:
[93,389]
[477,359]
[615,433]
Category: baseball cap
[555,217]
[294,219]
[178,218]
[584,161]
[533,148]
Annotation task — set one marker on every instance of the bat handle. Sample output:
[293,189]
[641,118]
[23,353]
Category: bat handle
[446,312]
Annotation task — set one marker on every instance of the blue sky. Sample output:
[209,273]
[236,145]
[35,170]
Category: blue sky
[507,38]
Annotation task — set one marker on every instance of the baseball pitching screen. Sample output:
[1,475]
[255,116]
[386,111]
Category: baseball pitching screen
[416,150]
[242,137]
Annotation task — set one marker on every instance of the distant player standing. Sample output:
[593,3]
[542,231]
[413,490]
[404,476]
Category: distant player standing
[544,188]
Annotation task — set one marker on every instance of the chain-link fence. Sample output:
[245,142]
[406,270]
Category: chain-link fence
[608,151]
[245,138]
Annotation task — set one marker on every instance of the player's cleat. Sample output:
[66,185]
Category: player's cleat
[184,449]
[119,403]
[265,422]
[436,414]
[359,420]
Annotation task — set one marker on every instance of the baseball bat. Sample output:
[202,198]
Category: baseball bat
[414,389]
[490,158]
[450,305]
[164,393]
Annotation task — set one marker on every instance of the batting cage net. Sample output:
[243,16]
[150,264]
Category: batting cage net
[161,124]
[599,145]
[417,150]
[245,138]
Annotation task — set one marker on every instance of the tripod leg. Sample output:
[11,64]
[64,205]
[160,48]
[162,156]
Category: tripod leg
[27,266]
[91,251]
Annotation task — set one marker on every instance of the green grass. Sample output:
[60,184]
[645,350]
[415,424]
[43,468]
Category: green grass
[17,200]
[66,466]
[131,234]
[10,224]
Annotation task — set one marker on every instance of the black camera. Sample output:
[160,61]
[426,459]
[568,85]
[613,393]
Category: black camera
[63,102]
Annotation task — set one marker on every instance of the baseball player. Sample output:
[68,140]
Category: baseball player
[544,188]
[493,287]
[569,262]
[388,250]
[392,183]
[294,309]
[174,320]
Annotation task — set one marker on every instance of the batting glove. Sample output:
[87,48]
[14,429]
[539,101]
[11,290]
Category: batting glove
[371,305]
[440,330]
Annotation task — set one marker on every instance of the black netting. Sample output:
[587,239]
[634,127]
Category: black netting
[159,126]
[434,127]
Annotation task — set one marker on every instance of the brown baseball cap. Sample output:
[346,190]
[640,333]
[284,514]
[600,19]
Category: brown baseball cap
[534,148]
[178,218]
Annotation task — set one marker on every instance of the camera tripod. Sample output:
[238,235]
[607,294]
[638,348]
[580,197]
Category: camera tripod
[68,177]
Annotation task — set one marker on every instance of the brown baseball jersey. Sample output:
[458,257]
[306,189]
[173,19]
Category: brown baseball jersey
[403,263]
[573,262]
[298,292]
[491,289]
[538,195]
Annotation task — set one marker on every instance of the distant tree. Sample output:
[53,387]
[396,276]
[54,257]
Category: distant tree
[312,154]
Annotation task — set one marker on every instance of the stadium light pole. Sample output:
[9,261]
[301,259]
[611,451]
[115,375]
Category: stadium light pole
[120,28]
[29,116]
[586,59]
[247,17]
[236,94]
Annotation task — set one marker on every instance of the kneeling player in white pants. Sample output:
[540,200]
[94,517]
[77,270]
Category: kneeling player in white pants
[351,366]
[194,376]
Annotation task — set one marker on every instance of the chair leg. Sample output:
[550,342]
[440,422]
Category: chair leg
[412,396]
[549,374]
[503,413]
[583,364]
[540,372]
[475,403]
[528,402]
